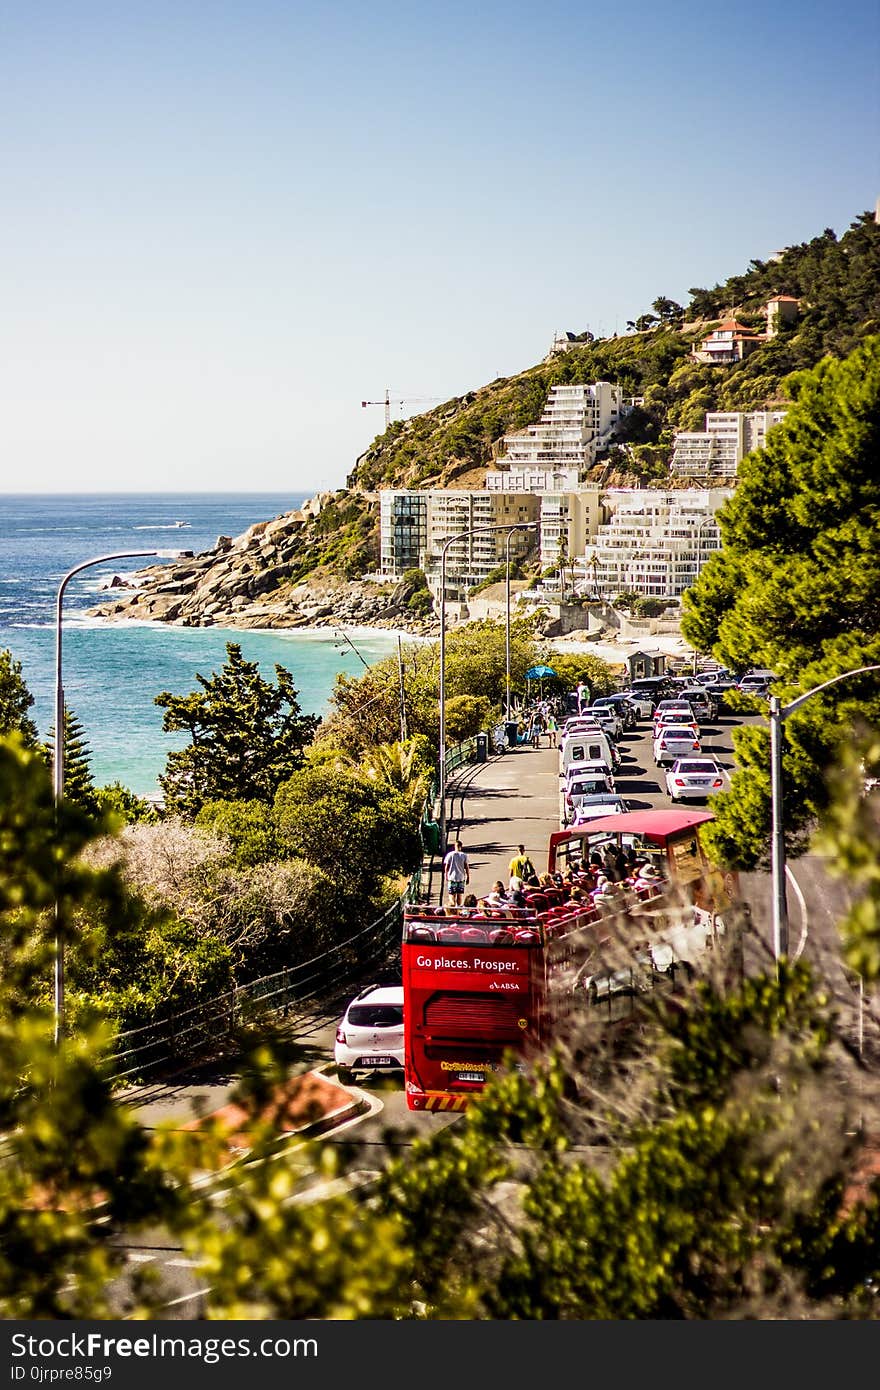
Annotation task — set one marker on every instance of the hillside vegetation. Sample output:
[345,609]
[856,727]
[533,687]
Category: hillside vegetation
[836,281]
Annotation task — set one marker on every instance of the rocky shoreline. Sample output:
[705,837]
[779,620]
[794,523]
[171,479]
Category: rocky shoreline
[247,582]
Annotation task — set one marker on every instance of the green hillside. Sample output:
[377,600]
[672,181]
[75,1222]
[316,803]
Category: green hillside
[836,281]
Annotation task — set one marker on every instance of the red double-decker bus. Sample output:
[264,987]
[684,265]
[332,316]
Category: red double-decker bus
[480,983]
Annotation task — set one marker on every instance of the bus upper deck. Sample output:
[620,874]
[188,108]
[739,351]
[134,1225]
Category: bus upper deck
[479,982]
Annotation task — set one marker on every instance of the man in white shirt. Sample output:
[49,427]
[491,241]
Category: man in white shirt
[457,873]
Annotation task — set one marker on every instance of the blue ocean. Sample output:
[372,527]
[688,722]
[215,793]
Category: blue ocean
[113,671]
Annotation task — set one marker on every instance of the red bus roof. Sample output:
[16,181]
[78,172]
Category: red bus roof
[653,824]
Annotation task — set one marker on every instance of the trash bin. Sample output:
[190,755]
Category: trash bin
[430,836]
[510,733]
[481,749]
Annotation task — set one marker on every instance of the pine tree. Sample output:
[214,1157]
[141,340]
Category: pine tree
[796,589]
[79,785]
[247,736]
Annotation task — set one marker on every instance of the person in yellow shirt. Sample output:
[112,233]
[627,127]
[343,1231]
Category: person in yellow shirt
[521,865]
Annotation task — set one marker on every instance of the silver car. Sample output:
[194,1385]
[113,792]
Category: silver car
[693,779]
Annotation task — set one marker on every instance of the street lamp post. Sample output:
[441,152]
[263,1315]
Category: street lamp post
[451,540]
[58,751]
[521,526]
[778,715]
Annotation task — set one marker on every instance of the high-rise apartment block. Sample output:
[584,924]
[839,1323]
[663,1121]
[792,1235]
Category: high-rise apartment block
[575,421]
[718,450]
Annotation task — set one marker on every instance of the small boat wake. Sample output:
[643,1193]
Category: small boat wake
[163,526]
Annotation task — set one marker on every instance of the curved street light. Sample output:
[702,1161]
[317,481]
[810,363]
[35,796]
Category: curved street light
[778,715]
[451,540]
[58,750]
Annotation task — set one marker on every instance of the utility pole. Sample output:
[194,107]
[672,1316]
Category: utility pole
[402,691]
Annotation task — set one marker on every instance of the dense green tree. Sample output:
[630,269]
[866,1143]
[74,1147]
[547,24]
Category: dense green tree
[79,784]
[15,701]
[796,589]
[572,667]
[246,736]
[121,804]
[249,826]
[356,830]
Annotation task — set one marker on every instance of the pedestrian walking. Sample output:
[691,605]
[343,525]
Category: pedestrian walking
[583,696]
[456,872]
[551,730]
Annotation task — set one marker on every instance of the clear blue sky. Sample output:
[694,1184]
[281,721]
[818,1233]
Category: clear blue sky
[225,224]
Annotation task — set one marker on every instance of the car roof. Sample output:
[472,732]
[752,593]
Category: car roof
[379,994]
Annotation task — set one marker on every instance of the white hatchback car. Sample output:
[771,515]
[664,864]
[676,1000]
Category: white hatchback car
[370,1035]
[671,742]
[693,779]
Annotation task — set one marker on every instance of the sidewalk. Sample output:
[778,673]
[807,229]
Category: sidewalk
[511,800]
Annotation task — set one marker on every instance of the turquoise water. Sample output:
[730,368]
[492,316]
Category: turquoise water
[113,671]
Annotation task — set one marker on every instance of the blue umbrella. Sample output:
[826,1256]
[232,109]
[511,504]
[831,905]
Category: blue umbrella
[537,673]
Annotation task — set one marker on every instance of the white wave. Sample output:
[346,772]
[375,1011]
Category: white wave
[164,526]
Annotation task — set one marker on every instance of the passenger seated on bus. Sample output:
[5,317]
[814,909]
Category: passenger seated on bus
[470,900]
[497,897]
[515,895]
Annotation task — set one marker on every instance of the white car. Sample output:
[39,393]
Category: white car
[370,1034]
[593,807]
[643,701]
[672,742]
[677,706]
[693,779]
[608,719]
[680,719]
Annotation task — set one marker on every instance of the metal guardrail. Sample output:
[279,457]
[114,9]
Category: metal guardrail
[196,1032]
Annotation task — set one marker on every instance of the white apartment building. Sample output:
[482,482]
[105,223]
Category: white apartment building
[718,450]
[414,523]
[474,557]
[575,421]
[655,543]
[533,480]
[576,515]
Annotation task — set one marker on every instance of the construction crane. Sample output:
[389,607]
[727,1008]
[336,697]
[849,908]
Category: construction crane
[388,402]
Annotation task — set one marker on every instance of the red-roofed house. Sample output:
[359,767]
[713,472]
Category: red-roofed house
[730,342]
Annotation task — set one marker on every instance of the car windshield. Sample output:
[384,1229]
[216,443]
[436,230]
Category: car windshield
[672,733]
[375,1015]
[705,767]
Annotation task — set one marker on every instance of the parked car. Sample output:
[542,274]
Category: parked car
[623,705]
[643,701]
[755,683]
[671,742]
[702,701]
[608,719]
[677,718]
[594,807]
[370,1034]
[676,706]
[590,784]
[693,779]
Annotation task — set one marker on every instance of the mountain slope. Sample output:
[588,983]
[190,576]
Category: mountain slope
[284,571]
